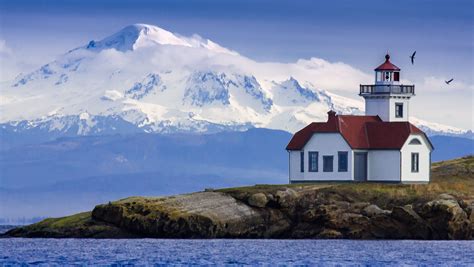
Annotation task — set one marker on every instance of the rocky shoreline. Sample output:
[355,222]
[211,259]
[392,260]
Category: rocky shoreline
[441,210]
[303,212]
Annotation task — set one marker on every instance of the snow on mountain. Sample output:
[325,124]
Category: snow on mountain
[146,79]
[433,128]
[146,86]
[291,93]
[142,35]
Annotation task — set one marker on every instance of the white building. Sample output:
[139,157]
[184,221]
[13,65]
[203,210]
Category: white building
[380,146]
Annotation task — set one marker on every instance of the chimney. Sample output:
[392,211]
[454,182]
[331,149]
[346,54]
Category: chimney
[331,115]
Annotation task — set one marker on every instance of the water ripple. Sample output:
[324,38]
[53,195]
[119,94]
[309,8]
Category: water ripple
[163,252]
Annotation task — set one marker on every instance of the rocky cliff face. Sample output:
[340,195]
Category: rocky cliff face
[354,211]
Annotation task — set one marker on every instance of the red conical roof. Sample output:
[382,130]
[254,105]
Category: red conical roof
[387,65]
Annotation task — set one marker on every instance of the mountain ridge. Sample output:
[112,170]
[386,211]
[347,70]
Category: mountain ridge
[158,81]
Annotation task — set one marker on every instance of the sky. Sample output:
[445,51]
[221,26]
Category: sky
[357,33]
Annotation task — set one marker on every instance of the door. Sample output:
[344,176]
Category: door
[360,166]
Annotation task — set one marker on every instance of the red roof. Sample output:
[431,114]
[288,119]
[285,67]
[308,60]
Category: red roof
[360,132]
[385,135]
[387,65]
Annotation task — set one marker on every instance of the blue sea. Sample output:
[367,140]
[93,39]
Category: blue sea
[162,252]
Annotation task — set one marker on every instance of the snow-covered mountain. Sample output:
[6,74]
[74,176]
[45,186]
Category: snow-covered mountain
[146,79]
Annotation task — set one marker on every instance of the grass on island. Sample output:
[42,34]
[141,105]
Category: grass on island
[77,225]
[74,220]
[454,177]
[149,206]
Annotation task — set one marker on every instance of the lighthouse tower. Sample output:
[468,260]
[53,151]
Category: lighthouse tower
[387,98]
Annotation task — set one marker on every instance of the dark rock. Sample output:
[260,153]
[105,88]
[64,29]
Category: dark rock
[470,212]
[330,234]
[416,226]
[342,205]
[447,219]
[373,210]
[446,197]
[91,44]
[385,227]
[359,206]
[306,230]
[258,200]
[270,197]
[286,198]
[310,215]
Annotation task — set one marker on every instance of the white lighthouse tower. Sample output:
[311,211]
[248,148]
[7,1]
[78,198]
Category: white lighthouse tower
[387,98]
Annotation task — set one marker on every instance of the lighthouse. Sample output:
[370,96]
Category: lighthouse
[387,98]
[380,146]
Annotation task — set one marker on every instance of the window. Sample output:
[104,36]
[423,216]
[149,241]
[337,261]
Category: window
[398,110]
[327,163]
[312,161]
[378,76]
[415,142]
[396,76]
[342,161]
[302,161]
[414,162]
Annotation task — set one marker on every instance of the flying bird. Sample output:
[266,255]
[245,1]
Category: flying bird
[448,82]
[412,57]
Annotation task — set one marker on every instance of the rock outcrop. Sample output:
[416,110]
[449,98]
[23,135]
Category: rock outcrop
[258,200]
[297,212]
[198,215]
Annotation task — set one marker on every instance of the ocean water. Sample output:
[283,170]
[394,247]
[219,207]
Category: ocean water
[46,252]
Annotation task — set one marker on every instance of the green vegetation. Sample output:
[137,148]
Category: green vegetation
[77,225]
[454,177]
[76,220]
[152,207]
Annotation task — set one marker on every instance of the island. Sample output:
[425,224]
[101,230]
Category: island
[440,210]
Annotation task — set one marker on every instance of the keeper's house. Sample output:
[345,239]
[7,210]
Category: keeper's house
[380,146]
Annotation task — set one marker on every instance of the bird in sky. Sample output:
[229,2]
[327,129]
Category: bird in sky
[448,82]
[412,57]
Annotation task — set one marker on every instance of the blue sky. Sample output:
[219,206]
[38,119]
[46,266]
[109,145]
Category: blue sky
[358,33]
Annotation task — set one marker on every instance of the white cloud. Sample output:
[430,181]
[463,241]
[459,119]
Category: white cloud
[8,65]
[4,49]
[447,104]
[438,84]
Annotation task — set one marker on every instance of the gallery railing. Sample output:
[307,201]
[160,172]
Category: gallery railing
[386,89]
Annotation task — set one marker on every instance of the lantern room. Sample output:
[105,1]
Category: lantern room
[387,98]
[387,73]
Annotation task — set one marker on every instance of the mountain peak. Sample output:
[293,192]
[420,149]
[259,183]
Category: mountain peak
[135,36]
[140,35]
